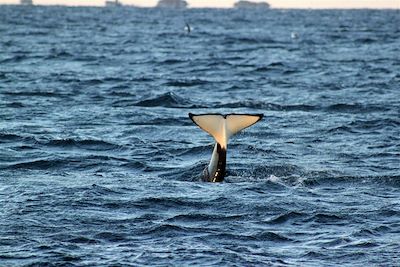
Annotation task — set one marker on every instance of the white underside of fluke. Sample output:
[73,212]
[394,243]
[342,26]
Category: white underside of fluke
[223,127]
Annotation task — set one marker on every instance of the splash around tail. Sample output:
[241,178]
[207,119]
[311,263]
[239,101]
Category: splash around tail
[221,127]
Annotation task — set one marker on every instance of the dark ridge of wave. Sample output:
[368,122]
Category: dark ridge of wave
[375,124]
[24,148]
[240,19]
[367,125]
[7,137]
[356,107]
[90,82]
[88,162]
[54,54]
[88,144]
[164,122]
[276,66]
[190,174]
[122,93]
[83,82]
[271,236]
[123,103]
[266,106]
[14,59]
[340,129]
[172,61]
[372,232]
[341,107]
[193,217]
[361,244]
[30,33]
[82,240]
[264,236]
[326,218]
[96,190]
[114,79]
[147,217]
[314,255]
[142,79]
[367,40]
[135,165]
[186,83]
[247,40]
[191,150]
[169,202]
[340,241]
[219,62]
[111,236]
[387,213]
[168,100]
[283,218]
[37,165]
[90,58]
[37,93]
[15,105]
[167,230]
[390,180]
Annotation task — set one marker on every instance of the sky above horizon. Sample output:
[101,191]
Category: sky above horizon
[229,3]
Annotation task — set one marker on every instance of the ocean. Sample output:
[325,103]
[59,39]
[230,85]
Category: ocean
[100,163]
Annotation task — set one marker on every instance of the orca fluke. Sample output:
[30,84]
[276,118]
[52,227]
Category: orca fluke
[221,127]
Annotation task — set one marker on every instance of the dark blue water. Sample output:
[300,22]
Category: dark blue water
[99,160]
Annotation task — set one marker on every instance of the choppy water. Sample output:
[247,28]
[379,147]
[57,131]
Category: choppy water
[98,158]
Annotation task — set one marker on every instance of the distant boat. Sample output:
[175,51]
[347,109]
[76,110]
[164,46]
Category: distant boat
[172,4]
[26,2]
[111,3]
[249,4]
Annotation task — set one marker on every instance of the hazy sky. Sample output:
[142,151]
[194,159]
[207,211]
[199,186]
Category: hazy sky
[229,3]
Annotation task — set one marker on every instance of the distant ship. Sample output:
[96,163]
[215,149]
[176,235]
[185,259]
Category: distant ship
[249,4]
[26,2]
[111,3]
[172,4]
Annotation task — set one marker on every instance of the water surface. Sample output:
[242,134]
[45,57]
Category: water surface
[99,161]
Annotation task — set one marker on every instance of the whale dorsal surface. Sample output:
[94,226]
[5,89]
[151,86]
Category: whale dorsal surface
[221,127]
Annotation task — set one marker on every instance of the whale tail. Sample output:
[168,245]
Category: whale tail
[222,127]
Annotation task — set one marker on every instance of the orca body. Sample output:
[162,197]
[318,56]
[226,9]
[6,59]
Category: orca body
[221,127]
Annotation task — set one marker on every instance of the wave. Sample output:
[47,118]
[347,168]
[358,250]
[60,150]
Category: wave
[191,173]
[88,144]
[90,162]
[340,107]
[8,137]
[111,236]
[186,83]
[194,217]
[36,94]
[168,230]
[356,107]
[169,100]
[247,40]
[286,217]
[14,59]
[172,61]
[59,54]
[266,106]
[257,236]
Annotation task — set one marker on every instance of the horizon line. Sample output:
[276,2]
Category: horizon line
[232,7]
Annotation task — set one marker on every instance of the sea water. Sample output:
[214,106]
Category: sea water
[99,161]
